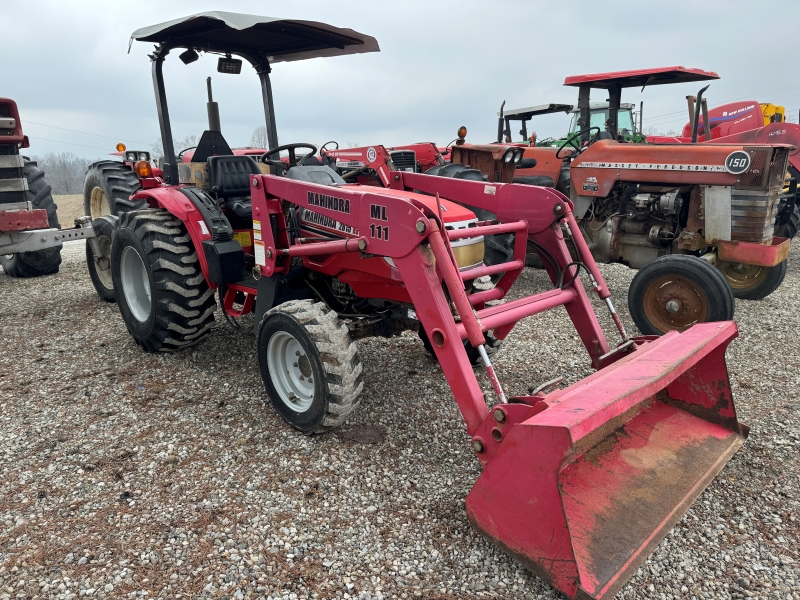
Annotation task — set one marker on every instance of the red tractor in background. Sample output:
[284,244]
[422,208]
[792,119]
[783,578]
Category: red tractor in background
[697,220]
[750,122]
[321,263]
[30,234]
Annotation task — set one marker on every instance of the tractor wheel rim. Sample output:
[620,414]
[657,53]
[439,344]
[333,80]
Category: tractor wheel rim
[102,263]
[675,303]
[135,284]
[290,371]
[98,203]
[741,276]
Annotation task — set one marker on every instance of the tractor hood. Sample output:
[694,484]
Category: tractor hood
[280,40]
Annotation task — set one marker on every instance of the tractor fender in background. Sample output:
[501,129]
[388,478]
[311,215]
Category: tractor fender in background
[178,205]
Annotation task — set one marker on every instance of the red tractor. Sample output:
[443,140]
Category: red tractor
[697,220]
[30,235]
[749,122]
[321,263]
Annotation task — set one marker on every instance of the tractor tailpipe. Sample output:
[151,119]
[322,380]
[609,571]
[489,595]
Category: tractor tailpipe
[696,114]
[213,110]
[582,484]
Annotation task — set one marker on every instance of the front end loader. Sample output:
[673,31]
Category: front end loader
[579,483]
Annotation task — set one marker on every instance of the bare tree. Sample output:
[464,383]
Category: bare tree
[157,148]
[259,137]
[654,130]
[64,171]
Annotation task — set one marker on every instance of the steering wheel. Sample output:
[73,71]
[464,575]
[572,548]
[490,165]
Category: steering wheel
[180,154]
[573,141]
[324,147]
[293,160]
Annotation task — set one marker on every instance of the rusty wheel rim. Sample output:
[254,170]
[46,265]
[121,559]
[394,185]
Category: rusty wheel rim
[674,303]
[741,276]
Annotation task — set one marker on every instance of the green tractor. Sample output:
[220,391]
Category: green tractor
[627,126]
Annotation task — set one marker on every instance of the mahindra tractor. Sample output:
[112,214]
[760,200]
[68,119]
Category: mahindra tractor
[697,220]
[30,235]
[320,263]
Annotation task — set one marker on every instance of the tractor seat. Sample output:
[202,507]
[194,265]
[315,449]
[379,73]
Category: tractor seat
[229,176]
[315,174]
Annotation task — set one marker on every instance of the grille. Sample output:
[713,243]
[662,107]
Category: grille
[753,215]
[404,160]
[754,178]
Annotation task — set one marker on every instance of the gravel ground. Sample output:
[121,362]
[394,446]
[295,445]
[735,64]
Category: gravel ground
[129,474]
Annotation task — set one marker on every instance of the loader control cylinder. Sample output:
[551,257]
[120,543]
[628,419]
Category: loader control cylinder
[498,389]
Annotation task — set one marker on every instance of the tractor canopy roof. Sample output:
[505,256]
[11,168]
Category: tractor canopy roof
[532,111]
[280,40]
[640,78]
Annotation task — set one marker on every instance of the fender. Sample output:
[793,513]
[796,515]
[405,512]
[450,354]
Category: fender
[178,205]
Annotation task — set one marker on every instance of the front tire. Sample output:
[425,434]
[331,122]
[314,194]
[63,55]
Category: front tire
[674,292]
[100,266]
[310,367]
[751,282]
[40,262]
[162,294]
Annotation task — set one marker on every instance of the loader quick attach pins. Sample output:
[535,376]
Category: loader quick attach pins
[579,484]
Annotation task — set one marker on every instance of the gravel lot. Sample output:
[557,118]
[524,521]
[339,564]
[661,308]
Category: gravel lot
[128,474]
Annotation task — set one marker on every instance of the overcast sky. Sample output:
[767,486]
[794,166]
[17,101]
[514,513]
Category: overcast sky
[442,64]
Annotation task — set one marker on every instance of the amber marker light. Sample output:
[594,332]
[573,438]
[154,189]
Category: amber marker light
[143,169]
[121,147]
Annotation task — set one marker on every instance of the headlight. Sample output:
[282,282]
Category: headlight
[509,156]
[144,156]
[131,156]
[518,156]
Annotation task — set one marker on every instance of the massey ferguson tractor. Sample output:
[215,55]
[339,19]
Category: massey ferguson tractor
[697,220]
[321,263]
[30,235]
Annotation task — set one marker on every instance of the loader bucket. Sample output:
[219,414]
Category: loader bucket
[584,489]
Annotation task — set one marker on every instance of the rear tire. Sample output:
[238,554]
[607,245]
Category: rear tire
[310,366]
[108,188]
[674,292]
[162,294]
[100,266]
[40,262]
[751,282]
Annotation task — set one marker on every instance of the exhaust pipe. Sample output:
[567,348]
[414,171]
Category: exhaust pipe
[706,121]
[696,113]
[213,110]
[501,124]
